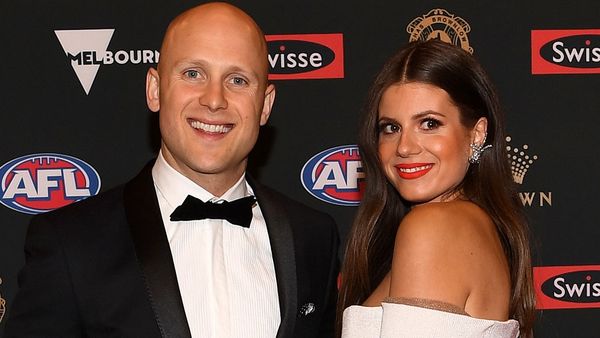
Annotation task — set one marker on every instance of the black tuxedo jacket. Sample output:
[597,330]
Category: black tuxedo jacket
[102,267]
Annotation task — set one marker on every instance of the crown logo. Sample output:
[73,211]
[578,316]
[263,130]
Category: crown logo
[520,160]
[2,305]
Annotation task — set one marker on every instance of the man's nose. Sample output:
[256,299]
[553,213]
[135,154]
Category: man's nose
[213,97]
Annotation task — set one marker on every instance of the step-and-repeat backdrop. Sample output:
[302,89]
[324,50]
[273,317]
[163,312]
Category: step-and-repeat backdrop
[74,119]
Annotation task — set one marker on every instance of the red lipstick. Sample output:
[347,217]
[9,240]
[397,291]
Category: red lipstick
[411,171]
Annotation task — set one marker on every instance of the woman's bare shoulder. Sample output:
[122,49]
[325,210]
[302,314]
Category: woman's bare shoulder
[439,248]
[460,220]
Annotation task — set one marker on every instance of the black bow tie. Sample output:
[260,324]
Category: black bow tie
[236,212]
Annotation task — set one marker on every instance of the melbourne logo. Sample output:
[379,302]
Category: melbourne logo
[575,51]
[567,287]
[440,24]
[86,49]
[306,56]
[521,159]
[39,183]
[335,175]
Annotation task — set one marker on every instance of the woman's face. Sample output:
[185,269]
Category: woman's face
[423,146]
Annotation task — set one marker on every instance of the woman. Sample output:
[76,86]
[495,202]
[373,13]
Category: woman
[439,246]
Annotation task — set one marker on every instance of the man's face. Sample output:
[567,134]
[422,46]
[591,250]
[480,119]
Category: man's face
[211,91]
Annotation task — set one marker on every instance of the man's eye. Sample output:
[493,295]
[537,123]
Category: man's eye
[192,74]
[239,81]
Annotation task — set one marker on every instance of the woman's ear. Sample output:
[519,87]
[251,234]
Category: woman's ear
[479,132]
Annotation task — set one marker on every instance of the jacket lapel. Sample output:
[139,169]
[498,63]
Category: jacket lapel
[154,255]
[284,257]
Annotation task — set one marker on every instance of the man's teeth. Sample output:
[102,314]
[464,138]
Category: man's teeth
[414,169]
[211,128]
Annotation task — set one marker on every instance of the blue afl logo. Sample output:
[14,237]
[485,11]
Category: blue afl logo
[38,183]
[335,176]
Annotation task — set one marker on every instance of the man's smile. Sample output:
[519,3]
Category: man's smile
[211,128]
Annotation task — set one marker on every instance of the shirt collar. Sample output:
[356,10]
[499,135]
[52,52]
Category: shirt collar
[175,187]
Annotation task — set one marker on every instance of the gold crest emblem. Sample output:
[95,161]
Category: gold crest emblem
[2,305]
[440,24]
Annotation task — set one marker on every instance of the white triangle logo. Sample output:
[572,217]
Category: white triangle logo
[86,49]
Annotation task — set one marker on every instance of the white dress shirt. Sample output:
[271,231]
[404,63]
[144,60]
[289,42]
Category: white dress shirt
[225,272]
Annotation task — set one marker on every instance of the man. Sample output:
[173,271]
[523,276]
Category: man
[131,262]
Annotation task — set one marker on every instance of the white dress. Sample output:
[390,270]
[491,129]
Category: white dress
[401,320]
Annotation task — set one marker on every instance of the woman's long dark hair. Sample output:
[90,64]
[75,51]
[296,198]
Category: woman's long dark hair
[489,184]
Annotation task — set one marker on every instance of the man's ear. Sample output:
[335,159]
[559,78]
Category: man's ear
[268,104]
[152,90]
[479,132]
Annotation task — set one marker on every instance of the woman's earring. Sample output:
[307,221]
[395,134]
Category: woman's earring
[477,150]
[475,156]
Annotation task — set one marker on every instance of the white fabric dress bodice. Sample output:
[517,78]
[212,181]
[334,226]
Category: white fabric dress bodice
[401,320]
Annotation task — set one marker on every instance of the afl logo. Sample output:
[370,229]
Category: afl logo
[306,56]
[39,183]
[335,176]
[440,24]
[567,287]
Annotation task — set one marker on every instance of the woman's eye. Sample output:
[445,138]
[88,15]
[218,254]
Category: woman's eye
[388,128]
[429,124]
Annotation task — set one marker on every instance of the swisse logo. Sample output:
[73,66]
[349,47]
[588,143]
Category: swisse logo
[335,175]
[309,56]
[39,183]
[306,56]
[86,49]
[565,51]
[574,287]
[564,287]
